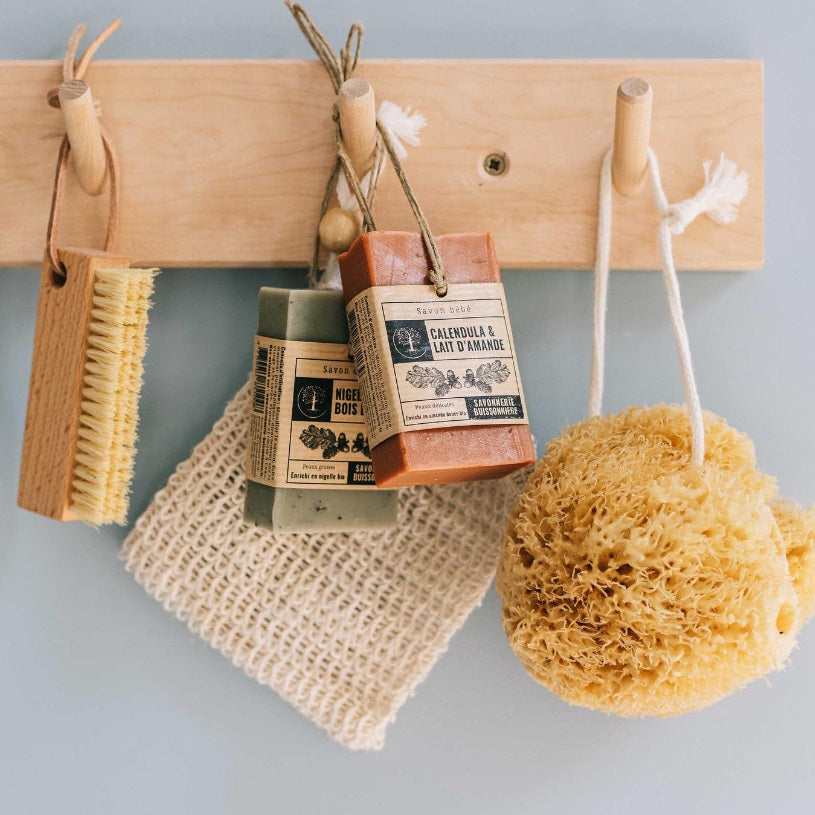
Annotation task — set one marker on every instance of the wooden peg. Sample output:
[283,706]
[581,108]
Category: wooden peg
[357,105]
[632,135]
[84,134]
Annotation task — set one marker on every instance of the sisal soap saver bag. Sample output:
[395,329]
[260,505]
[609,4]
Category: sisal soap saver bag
[649,567]
[342,625]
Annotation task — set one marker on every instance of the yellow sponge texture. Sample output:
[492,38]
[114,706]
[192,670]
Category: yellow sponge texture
[797,528]
[635,583]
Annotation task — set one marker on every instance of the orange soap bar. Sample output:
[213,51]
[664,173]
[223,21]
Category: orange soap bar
[439,455]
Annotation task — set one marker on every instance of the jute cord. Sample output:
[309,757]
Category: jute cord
[339,70]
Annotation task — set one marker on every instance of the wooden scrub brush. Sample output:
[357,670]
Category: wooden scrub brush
[86,373]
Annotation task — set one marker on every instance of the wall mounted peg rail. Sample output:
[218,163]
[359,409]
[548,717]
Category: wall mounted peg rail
[213,152]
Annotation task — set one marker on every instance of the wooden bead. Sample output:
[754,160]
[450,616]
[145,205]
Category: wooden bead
[339,228]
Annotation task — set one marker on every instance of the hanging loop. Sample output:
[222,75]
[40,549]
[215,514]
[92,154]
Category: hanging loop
[81,112]
[340,71]
[57,267]
[723,190]
[437,275]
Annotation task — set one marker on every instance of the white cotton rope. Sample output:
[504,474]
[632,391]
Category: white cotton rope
[403,125]
[723,190]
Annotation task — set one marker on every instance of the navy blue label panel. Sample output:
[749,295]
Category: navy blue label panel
[311,400]
[494,407]
[408,340]
[360,473]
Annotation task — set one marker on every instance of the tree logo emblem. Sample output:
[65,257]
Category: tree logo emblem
[312,401]
[408,342]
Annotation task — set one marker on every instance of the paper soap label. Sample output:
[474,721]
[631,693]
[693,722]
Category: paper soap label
[307,428]
[425,362]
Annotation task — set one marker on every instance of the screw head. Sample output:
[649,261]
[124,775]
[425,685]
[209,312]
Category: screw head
[496,164]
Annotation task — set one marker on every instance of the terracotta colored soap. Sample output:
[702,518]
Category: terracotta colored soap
[439,455]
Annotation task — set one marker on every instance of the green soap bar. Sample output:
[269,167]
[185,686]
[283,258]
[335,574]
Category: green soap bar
[312,316]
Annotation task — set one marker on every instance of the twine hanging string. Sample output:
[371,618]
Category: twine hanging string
[73,69]
[339,70]
[724,189]
[437,274]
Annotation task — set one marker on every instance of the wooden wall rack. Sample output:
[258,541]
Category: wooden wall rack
[223,163]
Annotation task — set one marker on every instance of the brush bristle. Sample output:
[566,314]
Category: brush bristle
[106,440]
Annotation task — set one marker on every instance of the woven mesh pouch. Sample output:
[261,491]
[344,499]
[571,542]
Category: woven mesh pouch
[342,625]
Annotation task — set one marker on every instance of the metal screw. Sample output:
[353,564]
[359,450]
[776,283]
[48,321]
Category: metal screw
[496,164]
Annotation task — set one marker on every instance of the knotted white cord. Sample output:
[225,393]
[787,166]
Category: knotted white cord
[719,197]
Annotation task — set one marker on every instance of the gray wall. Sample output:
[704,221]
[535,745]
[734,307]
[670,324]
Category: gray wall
[107,705]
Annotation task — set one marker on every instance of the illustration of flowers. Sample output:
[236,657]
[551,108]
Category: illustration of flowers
[325,439]
[487,374]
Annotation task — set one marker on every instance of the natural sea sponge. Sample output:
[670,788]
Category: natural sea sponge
[797,528]
[635,583]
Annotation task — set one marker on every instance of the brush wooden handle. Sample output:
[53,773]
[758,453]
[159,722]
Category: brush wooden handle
[54,395]
[84,134]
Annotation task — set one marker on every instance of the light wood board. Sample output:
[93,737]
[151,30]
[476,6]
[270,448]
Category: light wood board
[224,163]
